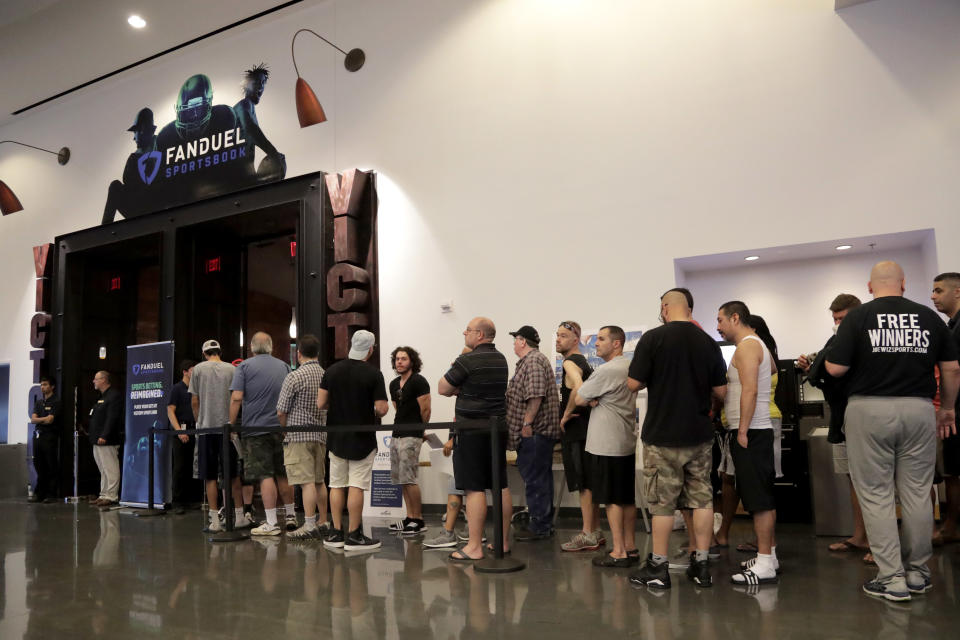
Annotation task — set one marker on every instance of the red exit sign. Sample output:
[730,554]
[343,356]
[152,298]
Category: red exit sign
[213,265]
[115,284]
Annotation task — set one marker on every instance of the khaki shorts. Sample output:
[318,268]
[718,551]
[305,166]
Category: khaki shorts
[305,462]
[351,473]
[405,459]
[840,464]
[677,478]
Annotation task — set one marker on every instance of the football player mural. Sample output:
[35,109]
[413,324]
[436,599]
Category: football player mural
[207,150]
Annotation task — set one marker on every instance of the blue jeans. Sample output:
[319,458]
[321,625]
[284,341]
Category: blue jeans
[535,463]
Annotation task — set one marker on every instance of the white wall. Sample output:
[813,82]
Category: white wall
[794,297]
[547,159]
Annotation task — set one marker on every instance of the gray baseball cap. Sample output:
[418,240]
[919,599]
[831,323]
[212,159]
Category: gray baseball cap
[360,344]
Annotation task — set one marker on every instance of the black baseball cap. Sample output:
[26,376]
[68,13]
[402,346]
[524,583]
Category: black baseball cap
[527,332]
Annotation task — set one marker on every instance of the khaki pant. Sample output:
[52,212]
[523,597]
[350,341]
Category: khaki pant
[107,458]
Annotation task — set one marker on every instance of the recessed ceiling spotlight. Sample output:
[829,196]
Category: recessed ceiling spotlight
[136,22]
[844,247]
[751,258]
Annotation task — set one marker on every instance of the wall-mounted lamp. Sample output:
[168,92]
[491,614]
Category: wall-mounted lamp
[9,203]
[309,110]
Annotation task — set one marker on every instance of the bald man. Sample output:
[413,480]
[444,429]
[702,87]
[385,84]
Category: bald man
[255,390]
[888,348]
[683,370]
[478,378]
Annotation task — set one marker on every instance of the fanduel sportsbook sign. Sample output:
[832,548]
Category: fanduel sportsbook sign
[206,150]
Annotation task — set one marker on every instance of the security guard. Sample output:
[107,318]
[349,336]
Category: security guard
[46,444]
[105,434]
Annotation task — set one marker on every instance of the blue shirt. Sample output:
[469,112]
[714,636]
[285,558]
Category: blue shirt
[260,378]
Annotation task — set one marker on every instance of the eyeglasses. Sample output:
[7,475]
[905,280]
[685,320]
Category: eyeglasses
[471,329]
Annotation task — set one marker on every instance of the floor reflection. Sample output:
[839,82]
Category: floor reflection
[73,571]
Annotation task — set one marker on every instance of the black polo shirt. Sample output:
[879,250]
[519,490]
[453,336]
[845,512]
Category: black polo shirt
[44,407]
[179,398]
[891,345]
[481,376]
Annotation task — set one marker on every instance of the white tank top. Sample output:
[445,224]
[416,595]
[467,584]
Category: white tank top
[731,404]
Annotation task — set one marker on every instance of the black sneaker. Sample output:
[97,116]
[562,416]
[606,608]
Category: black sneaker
[413,527]
[654,576]
[334,539]
[526,535]
[400,525]
[356,541]
[699,572]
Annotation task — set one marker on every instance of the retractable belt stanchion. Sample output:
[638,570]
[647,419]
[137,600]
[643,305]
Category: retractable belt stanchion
[230,534]
[498,563]
[150,511]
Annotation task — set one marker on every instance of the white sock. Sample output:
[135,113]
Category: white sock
[238,514]
[773,552]
[310,522]
[290,510]
[214,516]
[271,516]
[764,566]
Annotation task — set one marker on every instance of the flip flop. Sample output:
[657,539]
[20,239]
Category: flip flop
[747,547]
[846,547]
[461,557]
[868,559]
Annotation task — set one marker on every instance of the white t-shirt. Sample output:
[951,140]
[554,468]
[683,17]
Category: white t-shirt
[612,430]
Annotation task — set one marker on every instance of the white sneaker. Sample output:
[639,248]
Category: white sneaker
[243,522]
[214,526]
[266,529]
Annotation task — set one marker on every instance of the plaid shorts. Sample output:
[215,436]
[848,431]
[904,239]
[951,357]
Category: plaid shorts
[677,477]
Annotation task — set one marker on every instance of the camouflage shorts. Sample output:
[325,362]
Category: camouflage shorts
[262,457]
[405,460]
[677,478]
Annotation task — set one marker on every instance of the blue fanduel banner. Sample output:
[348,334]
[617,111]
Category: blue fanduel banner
[149,379]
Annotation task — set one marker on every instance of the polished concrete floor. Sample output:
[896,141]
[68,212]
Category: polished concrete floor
[74,572]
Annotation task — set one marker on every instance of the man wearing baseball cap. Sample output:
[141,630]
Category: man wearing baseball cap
[533,419]
[353,393]
[210,398]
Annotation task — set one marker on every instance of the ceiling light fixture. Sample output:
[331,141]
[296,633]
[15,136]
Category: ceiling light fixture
[309,110]
[9,203]
[136,22]
[844,247]
[751,258]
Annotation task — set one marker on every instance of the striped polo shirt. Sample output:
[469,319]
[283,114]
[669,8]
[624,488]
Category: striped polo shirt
[481,376]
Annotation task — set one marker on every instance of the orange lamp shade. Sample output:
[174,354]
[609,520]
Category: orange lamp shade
[8,200]
[309,110]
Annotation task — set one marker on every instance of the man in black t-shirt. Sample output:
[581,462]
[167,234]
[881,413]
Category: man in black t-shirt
[683,370]
[46,443]
[478,378]
[573,422]
[410,393]
[946,298]
[180,415]
[353,393]
[889,347]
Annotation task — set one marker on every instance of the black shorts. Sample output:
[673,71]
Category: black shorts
[611,479]
[755,470]
[573,453]
[951,457]
[472,457]
[208,457]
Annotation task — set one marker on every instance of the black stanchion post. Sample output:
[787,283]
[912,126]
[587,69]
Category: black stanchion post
[150,511]
[230,534]
[498,563]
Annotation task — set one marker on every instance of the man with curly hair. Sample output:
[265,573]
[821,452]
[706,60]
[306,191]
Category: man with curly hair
[410,393]
[274,166]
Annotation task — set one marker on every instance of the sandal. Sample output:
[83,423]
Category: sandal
[748,547]
[845,546]
[506,552]
[748,578]
[461,557]
[868,559]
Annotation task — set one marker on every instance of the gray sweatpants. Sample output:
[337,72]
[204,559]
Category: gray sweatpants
[892,441]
